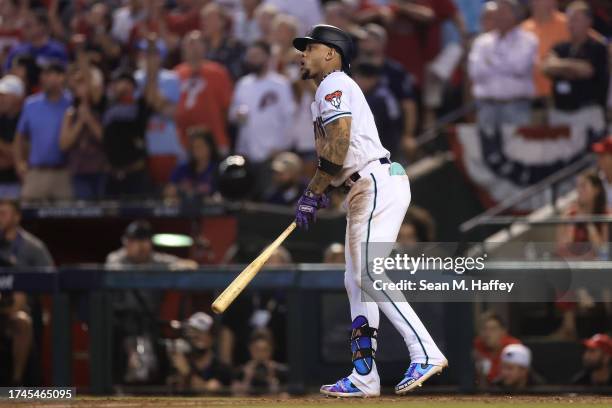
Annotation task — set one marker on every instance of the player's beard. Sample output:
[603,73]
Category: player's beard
[306,74]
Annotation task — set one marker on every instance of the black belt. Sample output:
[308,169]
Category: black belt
[355,176]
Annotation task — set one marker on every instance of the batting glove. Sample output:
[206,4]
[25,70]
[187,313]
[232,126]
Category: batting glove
[307,206]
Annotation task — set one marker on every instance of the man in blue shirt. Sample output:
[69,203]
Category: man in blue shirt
[38,45]
[38,159]
[161,136]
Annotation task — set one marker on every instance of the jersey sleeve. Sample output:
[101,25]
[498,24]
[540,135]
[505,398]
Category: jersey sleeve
[333,100]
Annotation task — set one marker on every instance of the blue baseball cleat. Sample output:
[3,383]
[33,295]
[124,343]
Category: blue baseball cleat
[416,375]
[343,388]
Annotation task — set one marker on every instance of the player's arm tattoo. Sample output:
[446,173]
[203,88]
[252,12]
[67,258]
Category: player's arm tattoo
[337,139]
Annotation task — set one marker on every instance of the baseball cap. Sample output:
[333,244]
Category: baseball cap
[603,146]
[53,66]
[12,85]
[287,162]
[200,321]
[599,341]
[140,230]
[160,46]
[517,354]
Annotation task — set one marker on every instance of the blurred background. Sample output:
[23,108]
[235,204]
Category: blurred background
[149,148]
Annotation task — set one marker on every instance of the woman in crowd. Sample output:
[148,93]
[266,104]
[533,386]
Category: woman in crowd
[198,176]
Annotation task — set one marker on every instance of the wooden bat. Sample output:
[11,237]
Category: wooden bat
[242,280]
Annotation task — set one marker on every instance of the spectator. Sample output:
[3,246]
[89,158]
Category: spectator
[550,28]
[94,24]
[206,93]
[198,369]
[265,14]
[286,61]
[198,176]
[580,73]
[138,250]
[12,18]
[81,134]
[125,20]
[38,44]
[161,135]
[19,249]
[12,93]
[261,375]
[334,253]
[133,311]
[418,227]
[414,26]
[585,240]
[396,79]
[287,185]
[339,13]
[501,69]
[262,107]
[383,103]
[285,58]
[185,17]
[488,19]
[280,257]
[246,27]
[39,160]
[220,46]
[516,374]
[125,123]
[604,164]
[596,361]
[488,346]
[307,12]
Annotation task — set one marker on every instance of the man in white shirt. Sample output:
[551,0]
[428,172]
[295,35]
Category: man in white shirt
[500,66]
[263,106]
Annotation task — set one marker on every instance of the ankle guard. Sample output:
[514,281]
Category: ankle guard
[363,345]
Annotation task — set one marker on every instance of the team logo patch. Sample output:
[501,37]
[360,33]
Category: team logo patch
[334,98]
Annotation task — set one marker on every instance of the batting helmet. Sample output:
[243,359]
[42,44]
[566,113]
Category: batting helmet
[330,36]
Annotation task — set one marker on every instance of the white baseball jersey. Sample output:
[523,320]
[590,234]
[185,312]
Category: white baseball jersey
[339,96]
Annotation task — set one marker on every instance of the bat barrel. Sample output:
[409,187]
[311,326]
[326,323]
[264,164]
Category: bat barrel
[242,280]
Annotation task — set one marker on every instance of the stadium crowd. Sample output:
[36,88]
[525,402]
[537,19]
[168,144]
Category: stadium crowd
[142,98]
[151,98]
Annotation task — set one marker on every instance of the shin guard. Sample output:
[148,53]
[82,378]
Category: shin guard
[363,345]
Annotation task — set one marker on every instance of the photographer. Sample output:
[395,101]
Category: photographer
[261,375]
[197,367]
[18,249]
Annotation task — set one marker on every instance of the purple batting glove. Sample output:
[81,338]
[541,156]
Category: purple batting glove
[307,207]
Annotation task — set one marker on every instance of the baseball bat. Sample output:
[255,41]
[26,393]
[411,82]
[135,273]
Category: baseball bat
[242,280]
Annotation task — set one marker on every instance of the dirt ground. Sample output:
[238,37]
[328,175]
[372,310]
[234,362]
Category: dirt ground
[416,401]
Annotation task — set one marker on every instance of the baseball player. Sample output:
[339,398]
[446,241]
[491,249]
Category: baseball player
[351,155]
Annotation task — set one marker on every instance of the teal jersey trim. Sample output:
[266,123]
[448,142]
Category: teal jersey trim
[372,279]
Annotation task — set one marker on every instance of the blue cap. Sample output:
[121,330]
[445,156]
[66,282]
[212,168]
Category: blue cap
[160,45]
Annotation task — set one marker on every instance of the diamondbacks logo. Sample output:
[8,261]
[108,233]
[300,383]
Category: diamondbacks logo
[334,98]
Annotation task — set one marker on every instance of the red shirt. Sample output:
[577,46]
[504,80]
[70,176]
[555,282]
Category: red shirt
[205,99]
[415,44]
[492,360]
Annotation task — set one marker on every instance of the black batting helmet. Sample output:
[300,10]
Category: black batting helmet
[330,36]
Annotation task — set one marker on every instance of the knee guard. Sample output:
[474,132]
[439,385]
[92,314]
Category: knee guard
[363,345]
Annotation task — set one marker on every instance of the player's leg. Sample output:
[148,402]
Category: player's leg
[387,211]
[363,380]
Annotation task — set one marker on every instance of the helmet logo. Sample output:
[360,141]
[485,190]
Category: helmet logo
[334,98]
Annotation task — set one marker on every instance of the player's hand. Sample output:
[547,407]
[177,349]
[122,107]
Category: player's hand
[307,206]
